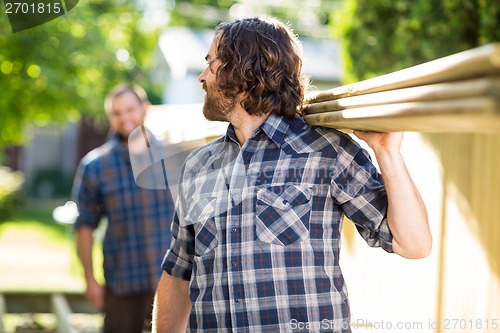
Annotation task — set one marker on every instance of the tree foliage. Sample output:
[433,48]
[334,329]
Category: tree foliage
[58,70]
[306,17]
[381,36]
[62,69]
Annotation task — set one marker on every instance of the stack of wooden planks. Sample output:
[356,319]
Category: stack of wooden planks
[457,93]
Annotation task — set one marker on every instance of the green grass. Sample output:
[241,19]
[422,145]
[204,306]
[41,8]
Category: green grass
[37,253]
[35,219]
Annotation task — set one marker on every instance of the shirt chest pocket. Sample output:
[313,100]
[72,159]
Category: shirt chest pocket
[200,215]
[282,214]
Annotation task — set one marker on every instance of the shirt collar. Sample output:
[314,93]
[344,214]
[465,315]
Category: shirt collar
[118,145]
[275,127]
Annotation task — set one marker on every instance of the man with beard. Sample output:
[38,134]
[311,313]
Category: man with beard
[138,229]
[256,232]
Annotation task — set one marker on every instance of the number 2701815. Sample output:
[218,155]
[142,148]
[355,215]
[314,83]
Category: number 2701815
[32,8]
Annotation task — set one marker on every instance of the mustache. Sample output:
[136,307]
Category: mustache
[204,86]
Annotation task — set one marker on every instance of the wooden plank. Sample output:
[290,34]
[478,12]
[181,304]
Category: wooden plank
[40,302]
[477,62]
[62,311]
[3,310]
[488,86]
[457,115]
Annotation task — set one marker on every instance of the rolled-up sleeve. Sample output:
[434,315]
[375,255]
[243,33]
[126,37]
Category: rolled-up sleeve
[178,260]
[87,195]
[358,188]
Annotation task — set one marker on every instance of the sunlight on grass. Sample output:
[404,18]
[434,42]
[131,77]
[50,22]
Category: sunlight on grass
[37,253]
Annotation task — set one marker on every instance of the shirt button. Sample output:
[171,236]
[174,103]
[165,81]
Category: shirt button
[285,202]
[233,229]
[236,300]
[233,264]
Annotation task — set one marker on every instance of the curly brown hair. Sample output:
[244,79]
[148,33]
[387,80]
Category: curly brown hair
[261,57]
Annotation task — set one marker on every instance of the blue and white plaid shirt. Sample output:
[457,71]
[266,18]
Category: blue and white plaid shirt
[138,231]
[257,228]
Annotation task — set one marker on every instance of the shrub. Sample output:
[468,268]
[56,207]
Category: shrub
[11,183]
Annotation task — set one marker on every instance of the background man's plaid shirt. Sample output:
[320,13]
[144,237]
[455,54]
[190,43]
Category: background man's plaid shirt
[138,231]
[257,229]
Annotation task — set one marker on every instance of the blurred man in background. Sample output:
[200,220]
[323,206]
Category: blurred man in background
[138,230]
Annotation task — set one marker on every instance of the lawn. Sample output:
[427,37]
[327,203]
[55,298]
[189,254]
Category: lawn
[38,253]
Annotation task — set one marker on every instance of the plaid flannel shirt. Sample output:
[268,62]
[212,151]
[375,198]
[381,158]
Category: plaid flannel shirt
[138,231]
[257,228]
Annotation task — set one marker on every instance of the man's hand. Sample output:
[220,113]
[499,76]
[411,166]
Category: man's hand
[406,212]
[95,294]
[390,142]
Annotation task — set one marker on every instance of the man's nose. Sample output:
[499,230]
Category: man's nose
[203,76]
[123,117]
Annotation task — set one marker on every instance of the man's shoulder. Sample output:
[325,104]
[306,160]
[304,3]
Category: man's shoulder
[305,138]
[200,156]
[97,155]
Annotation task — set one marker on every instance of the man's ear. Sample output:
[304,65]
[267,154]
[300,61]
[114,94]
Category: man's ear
[145,106]
[241,98]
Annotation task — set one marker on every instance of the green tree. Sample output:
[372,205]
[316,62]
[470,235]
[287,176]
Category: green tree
[381,36]
[307,18]
[200,14]
[61,69]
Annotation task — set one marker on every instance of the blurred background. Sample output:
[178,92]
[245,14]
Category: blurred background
[53,79]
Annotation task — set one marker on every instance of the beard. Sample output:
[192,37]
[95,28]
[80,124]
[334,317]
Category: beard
[216,106]
[122,137]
